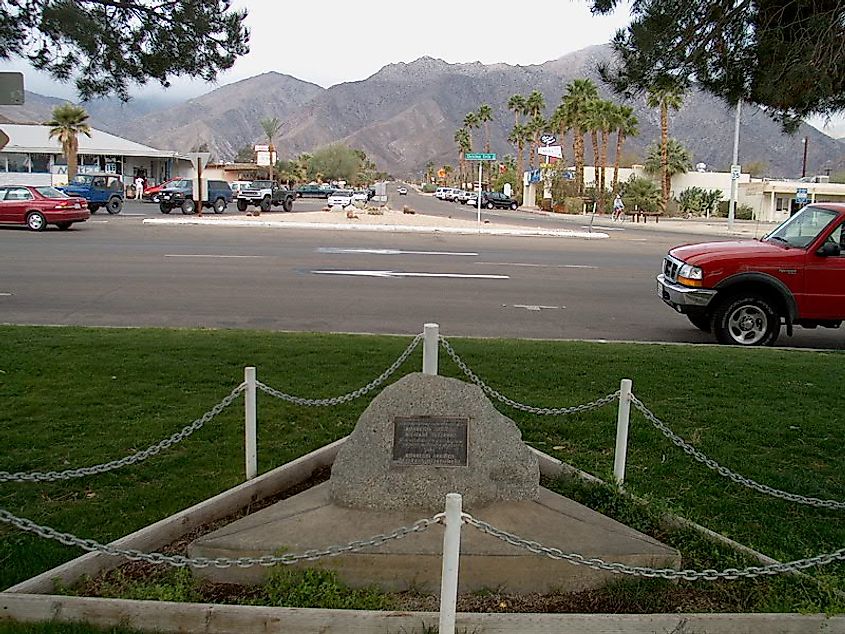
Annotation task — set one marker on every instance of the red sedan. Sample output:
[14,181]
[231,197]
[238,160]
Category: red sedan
[38,206]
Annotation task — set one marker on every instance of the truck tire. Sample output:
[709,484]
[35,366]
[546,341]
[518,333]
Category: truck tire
[189,207]
[115,205]
[242,204]
[287,204]
[490,205]
[164,208]
[219,206]
[266,204]
[746,319]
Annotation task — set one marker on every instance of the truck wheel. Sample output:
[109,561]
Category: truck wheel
[266,204]
[114,205]
[242,205]
[700,321]
[165,209]
[189,207]
[287,204]
[747,319]
[219,206]
[489,205]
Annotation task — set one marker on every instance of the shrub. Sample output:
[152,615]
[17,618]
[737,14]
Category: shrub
[428,188]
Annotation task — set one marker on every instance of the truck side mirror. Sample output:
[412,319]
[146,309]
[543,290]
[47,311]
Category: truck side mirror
[829,249]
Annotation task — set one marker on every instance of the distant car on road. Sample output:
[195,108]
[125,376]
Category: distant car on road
[265,194]
[361,196]
[342,197]
[180,194]
[151,193]
[36,207]
[403,191]
[100,190]
[492,200]
[463,197]
[313,191]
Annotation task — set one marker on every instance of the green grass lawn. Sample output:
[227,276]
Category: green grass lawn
[76,396]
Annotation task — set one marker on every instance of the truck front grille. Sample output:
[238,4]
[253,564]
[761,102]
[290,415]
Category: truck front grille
[670,268]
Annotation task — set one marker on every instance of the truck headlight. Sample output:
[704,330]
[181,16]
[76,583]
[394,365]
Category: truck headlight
[689,275]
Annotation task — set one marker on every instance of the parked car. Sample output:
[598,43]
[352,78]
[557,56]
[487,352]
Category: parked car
[743,291]
[492,200]
[151,193]
[451,194]
[463,196]
[265,194]
[100,190]
[342,197]
[403,191]
[360,196]
[440,192]
[313,191]
[237,186]
[180,193]
[37,207]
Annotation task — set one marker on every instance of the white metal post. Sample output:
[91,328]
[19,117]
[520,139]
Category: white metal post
[250,424]
[478,198]
[623,419]
[451,559]
[431,345]
[734,181]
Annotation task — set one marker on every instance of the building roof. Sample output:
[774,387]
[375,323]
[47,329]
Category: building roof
[36,139]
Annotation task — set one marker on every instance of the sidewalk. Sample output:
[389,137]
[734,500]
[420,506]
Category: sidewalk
[389,221]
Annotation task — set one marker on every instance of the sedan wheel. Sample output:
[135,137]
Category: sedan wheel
[489,205]
[514,206]
[36,221]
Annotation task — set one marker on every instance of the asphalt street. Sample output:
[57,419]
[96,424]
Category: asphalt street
[116,271]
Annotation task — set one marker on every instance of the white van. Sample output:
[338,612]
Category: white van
[442,192]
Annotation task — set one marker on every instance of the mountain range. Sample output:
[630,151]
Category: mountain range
[406,114]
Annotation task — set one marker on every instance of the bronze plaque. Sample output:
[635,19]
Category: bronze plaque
[437,441]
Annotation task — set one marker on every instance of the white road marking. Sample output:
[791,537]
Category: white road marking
[603,228]
[411,274]
[198,255]
[336,251]
[541,266]
[535,308]
[5,294]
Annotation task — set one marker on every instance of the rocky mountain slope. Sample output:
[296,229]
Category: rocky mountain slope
[406,114]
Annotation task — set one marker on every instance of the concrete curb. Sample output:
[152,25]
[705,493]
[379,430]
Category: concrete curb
[269,224]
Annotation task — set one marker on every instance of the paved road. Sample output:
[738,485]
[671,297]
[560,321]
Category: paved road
[115,271]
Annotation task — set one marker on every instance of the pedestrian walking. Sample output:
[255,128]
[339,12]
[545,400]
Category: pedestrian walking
[618,208]
[139,187]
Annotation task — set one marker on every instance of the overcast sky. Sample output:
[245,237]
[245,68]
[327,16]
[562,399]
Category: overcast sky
[331,42]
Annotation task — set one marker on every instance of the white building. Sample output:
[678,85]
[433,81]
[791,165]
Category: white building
[32,158]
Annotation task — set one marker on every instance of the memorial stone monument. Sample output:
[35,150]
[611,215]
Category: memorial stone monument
[421,438]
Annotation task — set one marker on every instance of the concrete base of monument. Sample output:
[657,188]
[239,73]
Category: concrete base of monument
[310,521]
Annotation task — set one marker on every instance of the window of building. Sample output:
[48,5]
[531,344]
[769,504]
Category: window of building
[40,163]
[782,204]
[17,163]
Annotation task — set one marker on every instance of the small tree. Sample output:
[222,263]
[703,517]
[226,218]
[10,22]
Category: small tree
[641,193]
[68,122]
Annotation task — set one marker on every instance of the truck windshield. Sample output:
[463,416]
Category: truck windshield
[82,179]
[802,229]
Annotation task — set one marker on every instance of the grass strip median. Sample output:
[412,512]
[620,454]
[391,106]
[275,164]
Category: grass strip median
[78,396]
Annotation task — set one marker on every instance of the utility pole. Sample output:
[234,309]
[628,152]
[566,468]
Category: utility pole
[804,162]
[735,169]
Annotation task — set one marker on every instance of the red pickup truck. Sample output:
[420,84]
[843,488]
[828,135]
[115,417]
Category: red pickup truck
[744,291]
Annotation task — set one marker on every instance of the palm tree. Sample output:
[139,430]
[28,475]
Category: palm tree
[448,169]
[429,171]
[462,139]
[534,106]
[665,97]
[560,123]
[518,136]
[592,123]
[608,115]
[471,123]
[271,127]
[579,93]
[68,122]
[672,158]
[485,116]
[517,104]
[626,126]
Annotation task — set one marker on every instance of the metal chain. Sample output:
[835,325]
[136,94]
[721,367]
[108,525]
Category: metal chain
[727,473]
[543,411]
[345,398]
[661,573]
[220,562]
[69,474]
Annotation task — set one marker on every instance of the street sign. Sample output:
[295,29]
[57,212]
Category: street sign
[4,139]
[551,150]
[801,195]
[548,139]
[735,170]
[200,158]
[11,89]
[480,156]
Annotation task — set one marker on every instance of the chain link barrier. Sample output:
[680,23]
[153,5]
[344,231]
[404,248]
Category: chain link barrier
[542,411]
[654,573]
[345,398]
[724,471]
[181,561]
[135,458]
